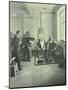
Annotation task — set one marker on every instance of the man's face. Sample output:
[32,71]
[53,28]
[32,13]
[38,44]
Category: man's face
[19,34]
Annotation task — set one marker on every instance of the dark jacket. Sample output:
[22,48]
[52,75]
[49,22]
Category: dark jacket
[16,47]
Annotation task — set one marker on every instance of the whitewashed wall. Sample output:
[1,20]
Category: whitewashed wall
[23,23]
[47,25]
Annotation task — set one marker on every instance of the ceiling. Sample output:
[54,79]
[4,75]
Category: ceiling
[27,8]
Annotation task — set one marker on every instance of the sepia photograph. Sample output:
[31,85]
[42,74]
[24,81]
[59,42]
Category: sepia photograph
[37,44]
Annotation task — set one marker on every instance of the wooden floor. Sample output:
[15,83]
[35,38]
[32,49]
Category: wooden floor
[38,75]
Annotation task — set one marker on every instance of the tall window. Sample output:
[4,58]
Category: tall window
[61,23]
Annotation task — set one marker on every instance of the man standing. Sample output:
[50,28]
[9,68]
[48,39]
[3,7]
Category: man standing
[26,45]
[16,49]
[25,48]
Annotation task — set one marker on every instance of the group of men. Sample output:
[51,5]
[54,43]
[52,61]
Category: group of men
[21,47]
[52,51]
